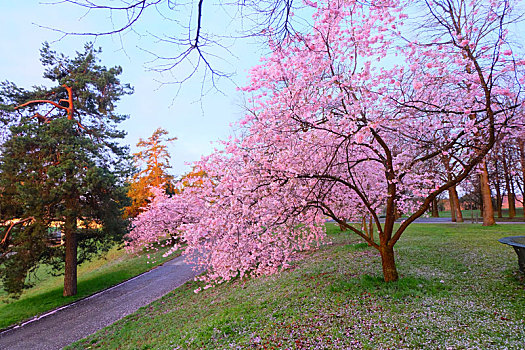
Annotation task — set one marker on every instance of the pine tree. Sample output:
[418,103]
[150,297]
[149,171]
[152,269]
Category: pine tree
[61,163]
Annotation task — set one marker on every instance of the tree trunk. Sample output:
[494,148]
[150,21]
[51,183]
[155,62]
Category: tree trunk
[341,227]
[508,188]
[371,227]
[451,203]
[499,202]
[457,207]
[513,192]
[388,263]
[521,143]
[512,204]
[70,270]
[488,210]
[435,211]
[364,225]
[497,186]
[480,195]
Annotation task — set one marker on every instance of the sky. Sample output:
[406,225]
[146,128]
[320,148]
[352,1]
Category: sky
[197,117]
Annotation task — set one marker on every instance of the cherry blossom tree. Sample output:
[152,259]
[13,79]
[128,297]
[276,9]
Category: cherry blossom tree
[160,222]
[352,119]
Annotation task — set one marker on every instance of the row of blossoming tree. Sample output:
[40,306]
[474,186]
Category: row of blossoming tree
[361,115]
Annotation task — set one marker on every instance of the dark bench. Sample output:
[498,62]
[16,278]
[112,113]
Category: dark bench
[518,243]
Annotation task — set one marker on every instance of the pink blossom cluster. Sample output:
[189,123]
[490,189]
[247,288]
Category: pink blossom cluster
[353,118]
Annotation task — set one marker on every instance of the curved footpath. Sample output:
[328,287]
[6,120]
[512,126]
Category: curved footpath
[68,324]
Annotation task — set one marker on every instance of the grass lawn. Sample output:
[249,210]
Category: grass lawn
[459,289]
[468,215]
[46,294]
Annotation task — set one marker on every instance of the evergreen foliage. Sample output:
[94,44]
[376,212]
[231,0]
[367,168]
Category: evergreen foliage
[61,165]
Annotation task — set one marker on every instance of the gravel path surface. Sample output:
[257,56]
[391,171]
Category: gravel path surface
[78,320]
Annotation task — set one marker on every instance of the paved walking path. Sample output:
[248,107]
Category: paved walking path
[76,321]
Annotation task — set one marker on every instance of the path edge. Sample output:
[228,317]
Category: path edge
[37,317]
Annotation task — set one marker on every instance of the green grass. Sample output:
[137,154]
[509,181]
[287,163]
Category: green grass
[459,288]
[46,294]
[476,213]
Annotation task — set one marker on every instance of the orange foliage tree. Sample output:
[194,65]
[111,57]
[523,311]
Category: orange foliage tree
[154,154]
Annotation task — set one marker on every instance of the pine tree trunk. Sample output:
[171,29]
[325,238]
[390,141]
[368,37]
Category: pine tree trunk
[70,271]
[457,207]
[488,210]
[435,211]
[388,263]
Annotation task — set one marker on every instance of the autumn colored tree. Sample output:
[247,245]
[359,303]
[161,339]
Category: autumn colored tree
[337,129]
[155,156]
[61,163]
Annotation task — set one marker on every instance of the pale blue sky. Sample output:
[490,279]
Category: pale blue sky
[194,121]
